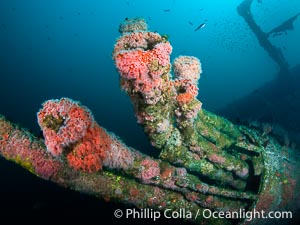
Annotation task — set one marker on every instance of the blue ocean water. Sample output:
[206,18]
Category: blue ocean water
[62,48]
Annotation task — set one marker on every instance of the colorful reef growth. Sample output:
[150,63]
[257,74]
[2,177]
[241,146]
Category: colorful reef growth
[169,110]
[204,161]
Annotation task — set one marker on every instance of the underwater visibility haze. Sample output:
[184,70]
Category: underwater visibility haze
[202,98]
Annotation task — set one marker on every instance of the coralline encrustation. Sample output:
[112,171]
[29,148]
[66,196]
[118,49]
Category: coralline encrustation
[204,161]
[169,109]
